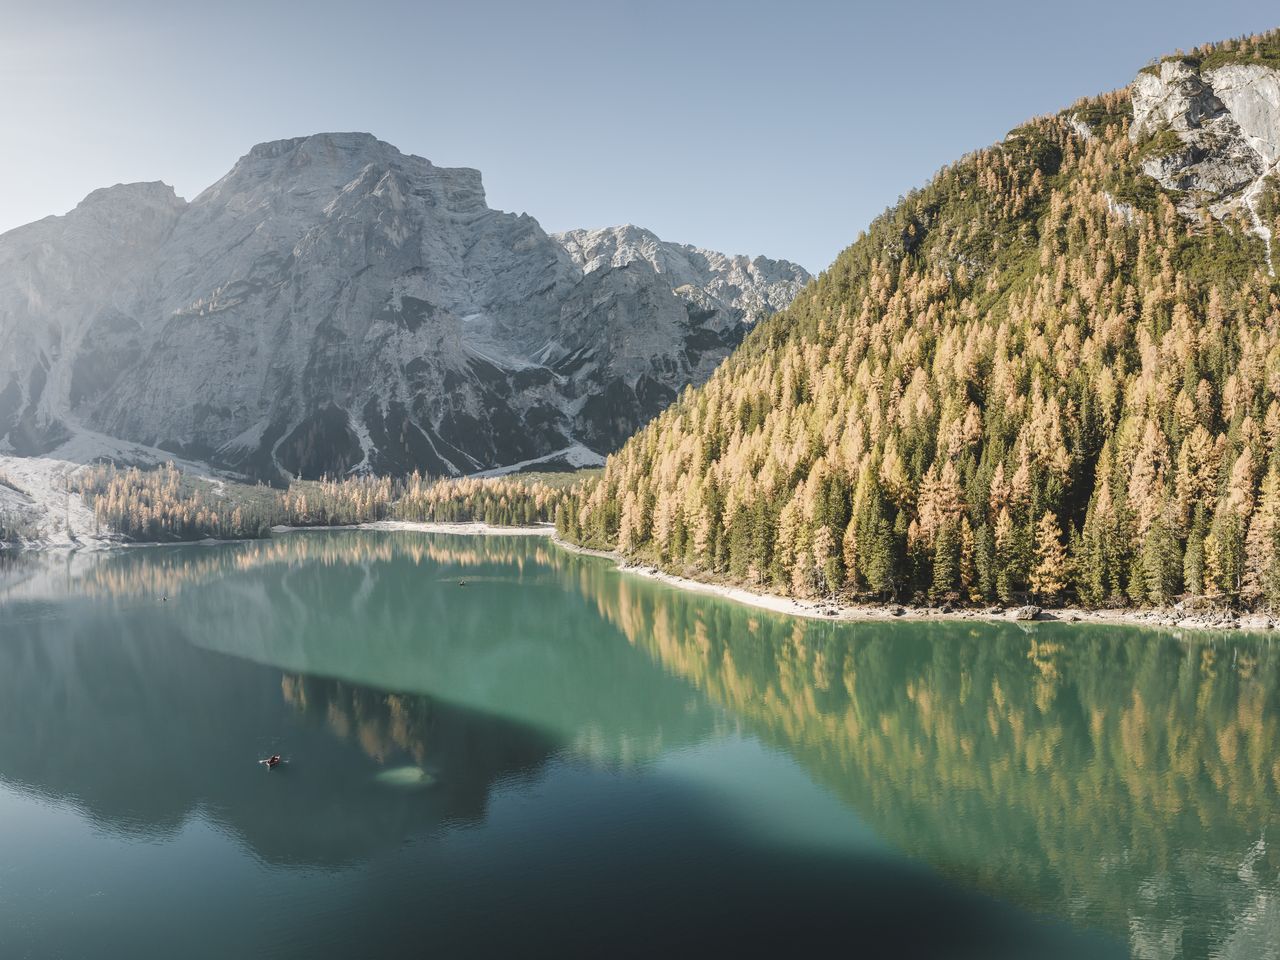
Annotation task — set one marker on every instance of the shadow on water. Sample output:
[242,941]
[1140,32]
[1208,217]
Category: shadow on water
[143,734]
[384,610]
[512,847]
[1121,780]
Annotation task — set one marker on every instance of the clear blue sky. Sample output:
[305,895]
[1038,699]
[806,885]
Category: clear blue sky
[751,127]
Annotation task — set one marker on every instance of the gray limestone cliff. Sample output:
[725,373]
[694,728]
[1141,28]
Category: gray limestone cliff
[1220,130]
[747,289]
[332,304]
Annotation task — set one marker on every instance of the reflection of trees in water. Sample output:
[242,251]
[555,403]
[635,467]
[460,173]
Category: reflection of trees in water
[383,725]
[12,559]
[1078,769]
[466,752]
[382,609]
[1084,736]
[144,733]
[165,571]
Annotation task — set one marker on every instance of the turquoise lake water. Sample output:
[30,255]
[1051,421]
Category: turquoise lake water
[558,759]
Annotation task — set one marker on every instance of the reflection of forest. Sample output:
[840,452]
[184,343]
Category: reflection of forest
[1124,777]
[1103,772]
[383,609]
[397,728]
[381,723]
[165,571]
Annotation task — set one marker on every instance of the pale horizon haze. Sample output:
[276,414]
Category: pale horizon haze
[750,127]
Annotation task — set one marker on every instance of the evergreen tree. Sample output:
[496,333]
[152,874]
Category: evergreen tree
[1050,573]
[946,561]
[1000,346]
[1161,563]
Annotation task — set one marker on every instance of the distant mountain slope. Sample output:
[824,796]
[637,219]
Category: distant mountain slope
[747,289]
[333,304]
[1054,369]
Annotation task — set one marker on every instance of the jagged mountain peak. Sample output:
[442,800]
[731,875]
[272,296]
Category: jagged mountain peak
[325,140]
[333,304]
[139,208]
[625,242]
[754,287]
[326,148]
[153,193]
[326,164]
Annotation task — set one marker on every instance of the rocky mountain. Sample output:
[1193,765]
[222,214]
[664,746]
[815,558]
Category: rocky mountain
[1215,133]
[746,289]
[332,304]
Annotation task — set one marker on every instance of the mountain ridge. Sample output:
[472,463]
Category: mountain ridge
[333,304]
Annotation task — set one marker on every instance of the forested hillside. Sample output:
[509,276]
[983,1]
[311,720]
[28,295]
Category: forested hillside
[1052,371]
[167,505]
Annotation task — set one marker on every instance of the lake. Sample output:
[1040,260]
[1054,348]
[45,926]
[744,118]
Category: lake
[496,747]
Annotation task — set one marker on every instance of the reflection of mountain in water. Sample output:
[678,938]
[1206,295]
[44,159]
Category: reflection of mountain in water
[183,727]
[110,712]
[385,610]
[1110,774]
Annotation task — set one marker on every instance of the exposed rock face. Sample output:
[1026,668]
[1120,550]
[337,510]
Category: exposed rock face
[67,285]
[1251,94]
[332,304]
[746,289]
[1227,127]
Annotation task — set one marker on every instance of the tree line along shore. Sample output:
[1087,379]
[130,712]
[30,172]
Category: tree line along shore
[166,505]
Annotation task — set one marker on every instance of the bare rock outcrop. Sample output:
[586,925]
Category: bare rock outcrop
[1213,135]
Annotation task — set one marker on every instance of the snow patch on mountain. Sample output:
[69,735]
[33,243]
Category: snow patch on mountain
[575,457]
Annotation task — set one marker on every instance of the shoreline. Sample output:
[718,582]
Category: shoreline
[468,528]
[461,528]
[826,610]
[841,612]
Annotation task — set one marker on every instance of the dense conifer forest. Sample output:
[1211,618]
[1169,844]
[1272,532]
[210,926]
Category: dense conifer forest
[167,505]
[1035,376]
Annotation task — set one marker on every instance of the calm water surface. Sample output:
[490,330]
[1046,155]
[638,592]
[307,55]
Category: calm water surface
[558,759]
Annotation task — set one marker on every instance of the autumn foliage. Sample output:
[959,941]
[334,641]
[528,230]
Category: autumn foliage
[165,504]
[1035,377]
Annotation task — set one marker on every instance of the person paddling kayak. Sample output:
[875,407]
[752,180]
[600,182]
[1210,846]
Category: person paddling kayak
[272,761]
